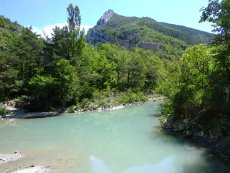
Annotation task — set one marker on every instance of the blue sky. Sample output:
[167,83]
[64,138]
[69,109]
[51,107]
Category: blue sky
[45,14]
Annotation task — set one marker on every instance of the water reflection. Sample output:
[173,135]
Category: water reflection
[164,166]
[99,166]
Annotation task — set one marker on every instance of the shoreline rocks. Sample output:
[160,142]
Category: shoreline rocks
[117,107]
[8,158]
[5,158]
[18,113]
[213,139]
[33,169]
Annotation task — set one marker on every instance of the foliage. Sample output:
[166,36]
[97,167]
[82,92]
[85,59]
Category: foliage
[168,78]
[201,93]
[185,82]
[67,81]
[20,53]
[43,88]
[131,97]
[218,13]
[2,110]
[63,70]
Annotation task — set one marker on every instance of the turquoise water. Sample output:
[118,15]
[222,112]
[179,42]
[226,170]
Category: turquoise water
[122,141]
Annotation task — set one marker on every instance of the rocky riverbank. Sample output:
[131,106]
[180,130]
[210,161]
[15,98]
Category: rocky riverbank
[9,158]
[5,158]
[14,111]
[33,169]
[112,107]
[214,139]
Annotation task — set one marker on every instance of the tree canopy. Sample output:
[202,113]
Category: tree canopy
[200,92]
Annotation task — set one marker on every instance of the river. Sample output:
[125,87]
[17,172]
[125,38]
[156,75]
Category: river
[122,141]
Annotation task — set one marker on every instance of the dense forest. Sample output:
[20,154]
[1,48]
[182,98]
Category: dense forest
[65,71]
[197,86]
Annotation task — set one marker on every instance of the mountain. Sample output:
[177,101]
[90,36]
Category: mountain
[167,39]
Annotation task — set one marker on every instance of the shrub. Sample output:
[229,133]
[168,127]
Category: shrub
[2,110]
[131,97]
[71,109]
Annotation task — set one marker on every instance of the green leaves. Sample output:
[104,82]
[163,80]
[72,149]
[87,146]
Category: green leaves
[67,81]
[62,70]
[74,18]
[57,89]
[218,13]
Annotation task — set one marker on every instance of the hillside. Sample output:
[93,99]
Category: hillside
[8,30]
[167,39]
[63,71]
[20,50]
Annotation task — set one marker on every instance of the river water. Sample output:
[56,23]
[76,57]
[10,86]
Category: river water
[121,141]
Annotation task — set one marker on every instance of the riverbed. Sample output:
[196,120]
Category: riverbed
[122,141]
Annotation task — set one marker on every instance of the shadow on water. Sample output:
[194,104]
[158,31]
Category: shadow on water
[157,115]
[214,162]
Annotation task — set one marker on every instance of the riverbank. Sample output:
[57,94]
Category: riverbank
[213,139]
[8,158]
[33,169]
[112,102]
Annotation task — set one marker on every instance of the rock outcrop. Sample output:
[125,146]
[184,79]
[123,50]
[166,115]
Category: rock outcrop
[150,46]
[214,138]
[106,17]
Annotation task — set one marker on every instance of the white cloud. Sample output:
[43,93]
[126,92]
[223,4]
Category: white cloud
[48,30]
[86,27]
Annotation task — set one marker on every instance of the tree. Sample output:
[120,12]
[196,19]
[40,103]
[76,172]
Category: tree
[218,13]
[42,92]
[76,36]
[69,41]
[20,54]
[67,82]
[74,18]
[57,89]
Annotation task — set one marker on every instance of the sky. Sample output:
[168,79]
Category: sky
[43,15]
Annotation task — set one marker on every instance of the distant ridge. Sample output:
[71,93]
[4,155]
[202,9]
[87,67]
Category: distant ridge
[146,33]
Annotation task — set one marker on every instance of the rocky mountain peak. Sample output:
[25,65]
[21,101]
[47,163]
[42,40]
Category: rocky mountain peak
[106,17]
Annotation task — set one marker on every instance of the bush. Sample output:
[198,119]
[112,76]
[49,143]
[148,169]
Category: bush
[131,97]
[71,109]
[2,110]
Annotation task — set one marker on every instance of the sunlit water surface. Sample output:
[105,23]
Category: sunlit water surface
[122,141]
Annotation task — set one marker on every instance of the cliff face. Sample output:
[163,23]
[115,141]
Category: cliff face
[145,33]
[106,17]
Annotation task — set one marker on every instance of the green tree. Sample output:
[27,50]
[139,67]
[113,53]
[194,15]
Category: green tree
[42,92]
[76,39]
[194,90]
[20,55]
[55,90]
[69,41]
[67,82]
[218,13]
